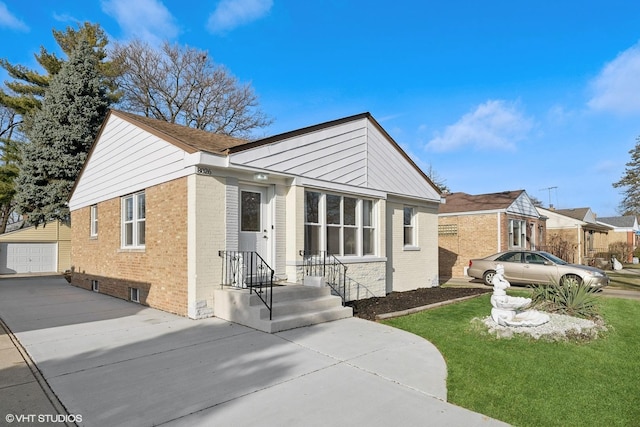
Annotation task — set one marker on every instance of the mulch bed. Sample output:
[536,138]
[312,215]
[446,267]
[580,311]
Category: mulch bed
[398,301]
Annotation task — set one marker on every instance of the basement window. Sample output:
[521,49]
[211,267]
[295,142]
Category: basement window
[134,294]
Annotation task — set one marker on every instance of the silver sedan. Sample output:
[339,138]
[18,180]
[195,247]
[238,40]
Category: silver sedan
[531,267]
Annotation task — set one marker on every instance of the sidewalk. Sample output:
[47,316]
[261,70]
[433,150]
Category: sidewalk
[23,389]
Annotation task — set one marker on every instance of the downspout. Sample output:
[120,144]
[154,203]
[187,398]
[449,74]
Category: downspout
[499,232]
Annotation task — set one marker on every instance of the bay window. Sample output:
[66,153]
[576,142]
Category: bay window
[312,227]
[339,225]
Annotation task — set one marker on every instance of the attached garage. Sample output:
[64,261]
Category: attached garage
[46,249]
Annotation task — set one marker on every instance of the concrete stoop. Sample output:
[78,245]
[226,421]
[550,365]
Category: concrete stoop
[294,306]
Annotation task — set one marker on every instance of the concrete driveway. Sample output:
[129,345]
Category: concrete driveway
[117,363]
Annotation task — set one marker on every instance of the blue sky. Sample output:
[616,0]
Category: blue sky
[495,95]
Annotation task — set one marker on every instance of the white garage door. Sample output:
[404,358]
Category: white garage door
[27,258]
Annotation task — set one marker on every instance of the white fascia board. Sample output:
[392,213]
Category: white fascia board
[492,211]
[439,200]
[205,159]
[341,188]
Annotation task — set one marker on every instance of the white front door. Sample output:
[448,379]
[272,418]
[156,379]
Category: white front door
[255,228]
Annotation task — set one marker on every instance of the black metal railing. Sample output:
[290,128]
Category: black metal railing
[247,270]
[321,264]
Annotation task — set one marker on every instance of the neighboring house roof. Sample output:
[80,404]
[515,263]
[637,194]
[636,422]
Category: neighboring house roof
[352,154]
[629,221]
[565,218]
[516,202]
[583,214]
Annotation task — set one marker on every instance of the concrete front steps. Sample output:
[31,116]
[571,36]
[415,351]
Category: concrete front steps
[294,306]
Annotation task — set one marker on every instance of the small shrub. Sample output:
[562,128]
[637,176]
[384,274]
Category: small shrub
[621,250]
[569,297]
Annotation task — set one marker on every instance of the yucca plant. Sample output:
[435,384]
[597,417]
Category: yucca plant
[569,297]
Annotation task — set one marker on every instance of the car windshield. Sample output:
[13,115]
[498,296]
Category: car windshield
[554,258]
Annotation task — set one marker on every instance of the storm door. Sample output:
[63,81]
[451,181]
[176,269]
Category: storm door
[254,224]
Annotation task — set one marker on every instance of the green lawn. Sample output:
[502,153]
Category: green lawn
[535,383]
[625,280]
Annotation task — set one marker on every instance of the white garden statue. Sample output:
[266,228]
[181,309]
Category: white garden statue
[507,310]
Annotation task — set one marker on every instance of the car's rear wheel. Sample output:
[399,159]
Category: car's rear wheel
[571,279]
[487,277]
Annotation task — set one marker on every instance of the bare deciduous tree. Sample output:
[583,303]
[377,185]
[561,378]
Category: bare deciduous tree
[183,85]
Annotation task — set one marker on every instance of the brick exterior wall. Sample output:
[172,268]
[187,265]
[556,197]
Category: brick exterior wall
[159,270]
[583,252]
[465,237]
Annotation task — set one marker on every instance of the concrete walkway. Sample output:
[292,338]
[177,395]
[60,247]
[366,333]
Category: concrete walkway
[114,363]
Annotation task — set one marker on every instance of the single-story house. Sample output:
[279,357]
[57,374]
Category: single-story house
[42,249]
[577,230]
[164,214]
[625,230]
[476,226]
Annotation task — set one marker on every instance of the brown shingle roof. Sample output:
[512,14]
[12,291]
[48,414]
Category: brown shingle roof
[575,213]
[189,139]
[463,202]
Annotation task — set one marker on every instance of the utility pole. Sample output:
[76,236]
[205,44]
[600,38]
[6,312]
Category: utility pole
[549,190]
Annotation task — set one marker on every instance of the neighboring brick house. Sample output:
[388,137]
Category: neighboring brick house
[625,230]
[475,226]
[588,240]
[156,202]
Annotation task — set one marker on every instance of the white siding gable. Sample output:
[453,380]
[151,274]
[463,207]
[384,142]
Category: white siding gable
[523,206]
[126,159]
[590,217]
[354,153]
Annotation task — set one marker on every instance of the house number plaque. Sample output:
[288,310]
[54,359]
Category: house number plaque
[204,171]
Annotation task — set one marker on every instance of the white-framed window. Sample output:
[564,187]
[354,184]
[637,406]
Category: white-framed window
[95,286]
[517,233]
[409,220]
[134,294]
[339,225]
[368,228]
[312,223]
[133,220]
[94,220]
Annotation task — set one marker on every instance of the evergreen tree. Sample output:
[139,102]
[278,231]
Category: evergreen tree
[630,182]
[24,94]
[60,136]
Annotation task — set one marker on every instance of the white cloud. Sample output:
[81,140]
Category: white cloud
[559,115]
[617,86]
[148,20]
[496,124]
[7,19]
[230,14]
